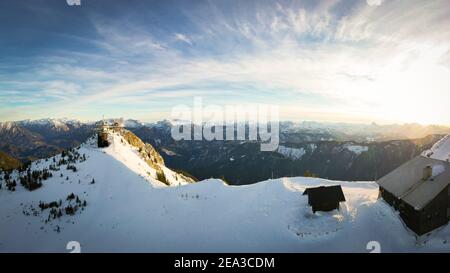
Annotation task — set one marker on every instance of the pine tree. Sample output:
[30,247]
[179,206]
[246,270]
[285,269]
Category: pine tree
[69,210]
[71,196]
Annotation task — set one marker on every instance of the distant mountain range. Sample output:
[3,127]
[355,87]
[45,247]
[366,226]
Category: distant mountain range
[329,150]
[244,163]
[30,140]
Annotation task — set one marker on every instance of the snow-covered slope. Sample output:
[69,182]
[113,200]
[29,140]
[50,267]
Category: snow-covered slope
[440,150]
[121,150]
[128,210]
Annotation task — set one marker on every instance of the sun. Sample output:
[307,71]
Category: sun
[409,88]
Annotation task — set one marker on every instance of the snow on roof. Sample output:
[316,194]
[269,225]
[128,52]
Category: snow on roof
[437,170]
[406,181]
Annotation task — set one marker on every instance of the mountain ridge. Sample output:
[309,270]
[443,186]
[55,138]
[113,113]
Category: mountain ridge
[305,147]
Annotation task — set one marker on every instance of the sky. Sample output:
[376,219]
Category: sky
[380,61]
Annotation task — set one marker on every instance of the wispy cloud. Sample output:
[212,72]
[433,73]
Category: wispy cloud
[183,38]
[371,59]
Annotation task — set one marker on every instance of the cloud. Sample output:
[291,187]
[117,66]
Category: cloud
[350,62]
[127,40]
[374,2]
[183,38]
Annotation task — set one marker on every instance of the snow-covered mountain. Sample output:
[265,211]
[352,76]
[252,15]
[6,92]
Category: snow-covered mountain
[62,124]
[33,139]
[112,200]
[440,150]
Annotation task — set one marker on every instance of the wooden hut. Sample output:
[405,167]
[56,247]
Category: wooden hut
[419,190]
[325,198]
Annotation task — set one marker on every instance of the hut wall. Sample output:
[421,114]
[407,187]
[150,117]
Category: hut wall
[391,199]
[326,207]
[434,214]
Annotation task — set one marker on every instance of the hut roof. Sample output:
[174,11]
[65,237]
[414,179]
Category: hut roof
[407,183]
[320,195]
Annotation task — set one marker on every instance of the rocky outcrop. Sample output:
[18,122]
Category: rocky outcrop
[151,157]
[148,153]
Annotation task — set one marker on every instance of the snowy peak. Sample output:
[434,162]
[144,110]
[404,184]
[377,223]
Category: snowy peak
[8,126]
[66,193]
[141,158]
[132,123]
[62,124]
